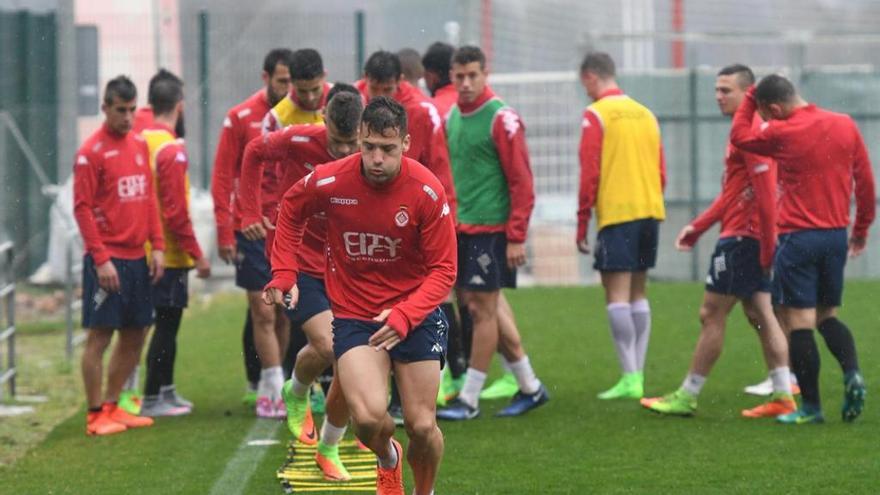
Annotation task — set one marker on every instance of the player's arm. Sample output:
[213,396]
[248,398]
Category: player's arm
[508,134]
[157,237]
[436,152]
[225,162]
[171,165]
[691,232]
[259,151]
[762,176]
[280,116]
[866,198]
[760,140]
[590,157]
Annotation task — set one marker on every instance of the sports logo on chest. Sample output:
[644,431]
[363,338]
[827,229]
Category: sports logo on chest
[132,187]
[401,218]
[366,246]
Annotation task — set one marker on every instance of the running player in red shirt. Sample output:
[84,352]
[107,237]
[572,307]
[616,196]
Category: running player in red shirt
[391,261]
[823,162]
[266,333]
[746,208]
[298,149]
[116,211]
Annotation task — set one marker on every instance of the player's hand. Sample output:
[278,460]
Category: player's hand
[275,296]
[157,267]
[583,246]
[516,254]
[254,231]
[267,224]
[386,337]
[108,279]
[203,267]
[227,253]
[683,242]
[857,246]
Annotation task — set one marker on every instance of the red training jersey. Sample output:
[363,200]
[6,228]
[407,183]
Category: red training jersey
[242,123]
[388,247]
[113,199]
[820,156]
[143,119]
[444,98]
[746,205]
[297,149]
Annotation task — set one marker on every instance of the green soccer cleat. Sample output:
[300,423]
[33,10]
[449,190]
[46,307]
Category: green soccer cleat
[502,388]
[445,384]
[802,416]
[299,417]
[250,396]
[130,402]
[853,397]
[678,403]
[630,386]
[327,458]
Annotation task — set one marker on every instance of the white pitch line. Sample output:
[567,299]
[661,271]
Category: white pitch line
[241,466]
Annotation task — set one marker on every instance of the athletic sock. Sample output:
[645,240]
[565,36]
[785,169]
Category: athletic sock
[163,349]
[252,365]
[693,383]
[525,376]
[271,381]
[624,334]
[131,383]
[455,346]
[781,378]
[505,364]
[331,435]
[391,462]
[840,342]
[473,384]
[805,363]
[298,388]
[641,315]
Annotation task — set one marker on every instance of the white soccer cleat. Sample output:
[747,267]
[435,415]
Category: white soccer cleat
[764,388]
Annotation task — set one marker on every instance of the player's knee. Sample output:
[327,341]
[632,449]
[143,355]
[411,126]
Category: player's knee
[366,417]
[481,309]
[262,316]
[420,428]
[710,315]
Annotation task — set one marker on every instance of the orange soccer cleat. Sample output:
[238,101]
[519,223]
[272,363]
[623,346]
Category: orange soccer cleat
[100,423]
[778,405]
[118,415]
[390,481]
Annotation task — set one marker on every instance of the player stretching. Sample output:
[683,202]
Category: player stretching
[268,330]
[746,208]
[622,176]
[115,208]
[391,262]
[490,163]
[297,150]
[822,161]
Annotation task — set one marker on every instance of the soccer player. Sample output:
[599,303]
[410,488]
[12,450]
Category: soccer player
[116,211]
[391,262]
[307,96]
[269,330]
[622,177]
[822,162]
[169,163]
[739,268]
[490,163]
[411,66]
[437,62]
[298,149]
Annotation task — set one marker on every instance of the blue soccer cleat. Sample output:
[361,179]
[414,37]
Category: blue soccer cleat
[458,410]
[523,403]
[853,397]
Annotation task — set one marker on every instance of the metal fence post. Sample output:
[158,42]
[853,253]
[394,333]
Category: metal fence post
[694,125]
[7,294]
[68,299]
[204,97]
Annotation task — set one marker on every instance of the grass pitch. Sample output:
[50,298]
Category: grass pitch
[576,444]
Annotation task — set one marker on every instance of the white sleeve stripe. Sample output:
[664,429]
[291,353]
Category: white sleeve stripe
[598,117]
[761,168]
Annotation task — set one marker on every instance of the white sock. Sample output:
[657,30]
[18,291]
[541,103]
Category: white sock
[525,376]
[331,435]
[271,381]
[641,315]
[505,364]
[299,388]
[693,383]
[623,332]
[781,378]
[132,382]
[473,384]
[391,462]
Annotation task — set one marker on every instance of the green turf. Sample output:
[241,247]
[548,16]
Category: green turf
[575,444]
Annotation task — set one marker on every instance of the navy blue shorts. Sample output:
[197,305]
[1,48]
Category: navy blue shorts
[808,268]
[312,299]
[426,342]
[482,263]
[172,291]
[131,307]
[735,268]
[252,270]
[628,246]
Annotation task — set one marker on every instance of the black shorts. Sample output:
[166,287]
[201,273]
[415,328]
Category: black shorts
[312,299]
[426,342]
[482,263]
[808,268]
[735,268]
[628,246]
[172,291]
[131,307]
[252,271]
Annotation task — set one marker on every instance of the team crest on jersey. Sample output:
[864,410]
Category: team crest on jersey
[401,219]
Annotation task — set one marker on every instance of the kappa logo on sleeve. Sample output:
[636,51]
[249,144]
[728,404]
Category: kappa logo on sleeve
[436,120]
[511,122]
[82,160]
[445,211]
[180,157]
[227,122]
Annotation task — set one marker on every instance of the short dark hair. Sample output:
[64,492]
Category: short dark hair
[275,57]
[120,87]
[599,63]
[164,95]
[774,89]
[306,64]
[383,66]
[341,87]
[744,75]
[410,63]
[438,59]
[384,113]
[467,54]
[344,110]
[163,74]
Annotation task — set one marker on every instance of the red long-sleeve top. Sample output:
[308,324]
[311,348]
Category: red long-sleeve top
[242,123]
[143,119]
[746,205]
[821,159]
[389,247]
[297,149]
[113,199]
[444,98]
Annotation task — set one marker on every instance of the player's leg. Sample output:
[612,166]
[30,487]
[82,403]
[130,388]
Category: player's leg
[125,355]
[648,239]
[617,286]
[332,431]
[418,383]
[266,342]
[252,364]
[510,350]
[805,362]
[529,393]
[311,361]
[160,364]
